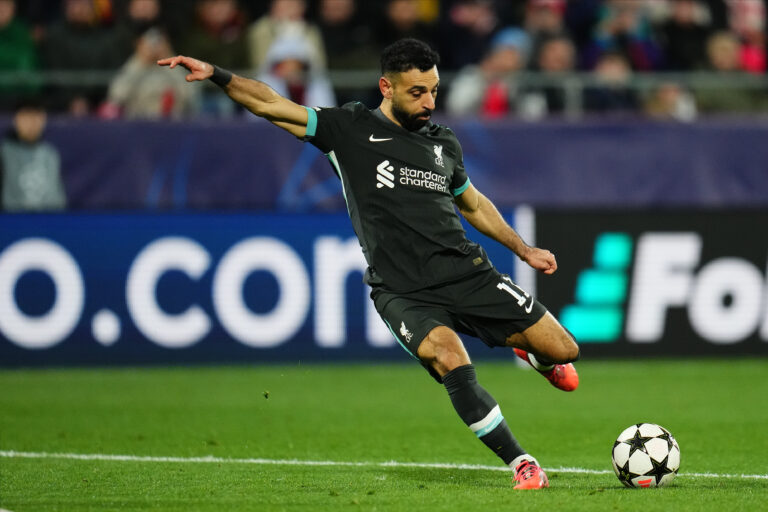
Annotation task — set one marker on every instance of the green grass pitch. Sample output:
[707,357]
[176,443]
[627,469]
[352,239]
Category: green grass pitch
[261,427]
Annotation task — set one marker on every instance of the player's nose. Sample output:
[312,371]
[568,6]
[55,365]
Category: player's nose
[429,102]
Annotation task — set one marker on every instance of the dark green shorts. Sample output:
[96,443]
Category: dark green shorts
[486,304]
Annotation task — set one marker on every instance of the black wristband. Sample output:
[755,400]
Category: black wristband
[220,77]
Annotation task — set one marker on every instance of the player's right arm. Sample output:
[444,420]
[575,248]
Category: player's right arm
[483,215]
[254,95]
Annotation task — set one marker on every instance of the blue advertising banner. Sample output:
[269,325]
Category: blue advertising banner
[253,165]
[78,289]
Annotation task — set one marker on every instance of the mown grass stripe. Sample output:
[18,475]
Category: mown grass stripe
[12,454]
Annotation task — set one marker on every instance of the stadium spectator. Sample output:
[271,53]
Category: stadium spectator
[348,41]
[544,17]
[466,32]
[580,20]
[683,35]
[670,101]
[142,90]
[490,89]
[401,18]
[556,57]
[140,15]
[723,53]
[745,15]
[17,54]
[285,18]
[290,70]
[753,55]
[543,20]
[718,11]
[724,56]
[747,21]
[30,172]
[624,27]
[350,45]
[79,43]
[219,33]
[611,93]
[429,10]
[40,14]
[173,16]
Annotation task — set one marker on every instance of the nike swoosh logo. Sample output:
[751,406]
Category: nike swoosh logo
[374,139]
[529,307]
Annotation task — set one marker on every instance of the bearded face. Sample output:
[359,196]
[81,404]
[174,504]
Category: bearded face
[413,97]
[410,121]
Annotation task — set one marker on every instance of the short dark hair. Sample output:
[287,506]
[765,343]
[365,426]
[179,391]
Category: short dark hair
[29,103]
[407,54]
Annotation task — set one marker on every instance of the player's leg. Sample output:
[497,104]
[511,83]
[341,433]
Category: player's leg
[420,323]
[443,351]
[548,340]
[501,313]
[550,349]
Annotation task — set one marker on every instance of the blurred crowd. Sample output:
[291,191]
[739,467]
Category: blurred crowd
[488,48]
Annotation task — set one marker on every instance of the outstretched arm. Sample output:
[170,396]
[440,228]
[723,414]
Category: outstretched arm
[256,96]
[483,215]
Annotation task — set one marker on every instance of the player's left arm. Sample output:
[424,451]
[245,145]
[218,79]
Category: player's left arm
[254,95]
[483,215]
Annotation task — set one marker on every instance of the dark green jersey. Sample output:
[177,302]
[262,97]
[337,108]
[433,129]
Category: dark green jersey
[399,187]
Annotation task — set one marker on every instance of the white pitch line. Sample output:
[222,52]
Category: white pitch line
[11,454]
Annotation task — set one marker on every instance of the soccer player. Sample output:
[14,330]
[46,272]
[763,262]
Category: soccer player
[402,177]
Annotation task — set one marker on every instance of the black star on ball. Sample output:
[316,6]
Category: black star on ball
[659,469]
[637,442]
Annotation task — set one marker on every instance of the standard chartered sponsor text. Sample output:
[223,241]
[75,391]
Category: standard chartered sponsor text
[425,179]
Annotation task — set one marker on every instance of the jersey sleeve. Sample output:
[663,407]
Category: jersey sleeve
[328,127]
[460,181]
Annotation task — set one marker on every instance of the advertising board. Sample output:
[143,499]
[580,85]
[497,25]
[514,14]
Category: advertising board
[659,283]
[167,288]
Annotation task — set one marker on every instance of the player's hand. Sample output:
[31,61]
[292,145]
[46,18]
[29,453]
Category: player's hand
[198,70]
[541,259]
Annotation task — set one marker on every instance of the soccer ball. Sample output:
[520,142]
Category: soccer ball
[645,455]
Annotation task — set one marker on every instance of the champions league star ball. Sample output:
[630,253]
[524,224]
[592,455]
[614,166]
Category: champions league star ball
[645,455]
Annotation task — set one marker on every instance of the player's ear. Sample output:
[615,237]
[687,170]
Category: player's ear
[386,87]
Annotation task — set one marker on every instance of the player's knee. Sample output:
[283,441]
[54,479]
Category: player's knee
[560,349]
[568,351]
[574,352]
[447,361]
[578,356]
[549,340]
[443,350]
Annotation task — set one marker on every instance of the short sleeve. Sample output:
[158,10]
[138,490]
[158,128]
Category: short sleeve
[460,181]
[328,127]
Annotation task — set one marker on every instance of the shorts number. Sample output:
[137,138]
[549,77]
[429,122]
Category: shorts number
[507,288]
